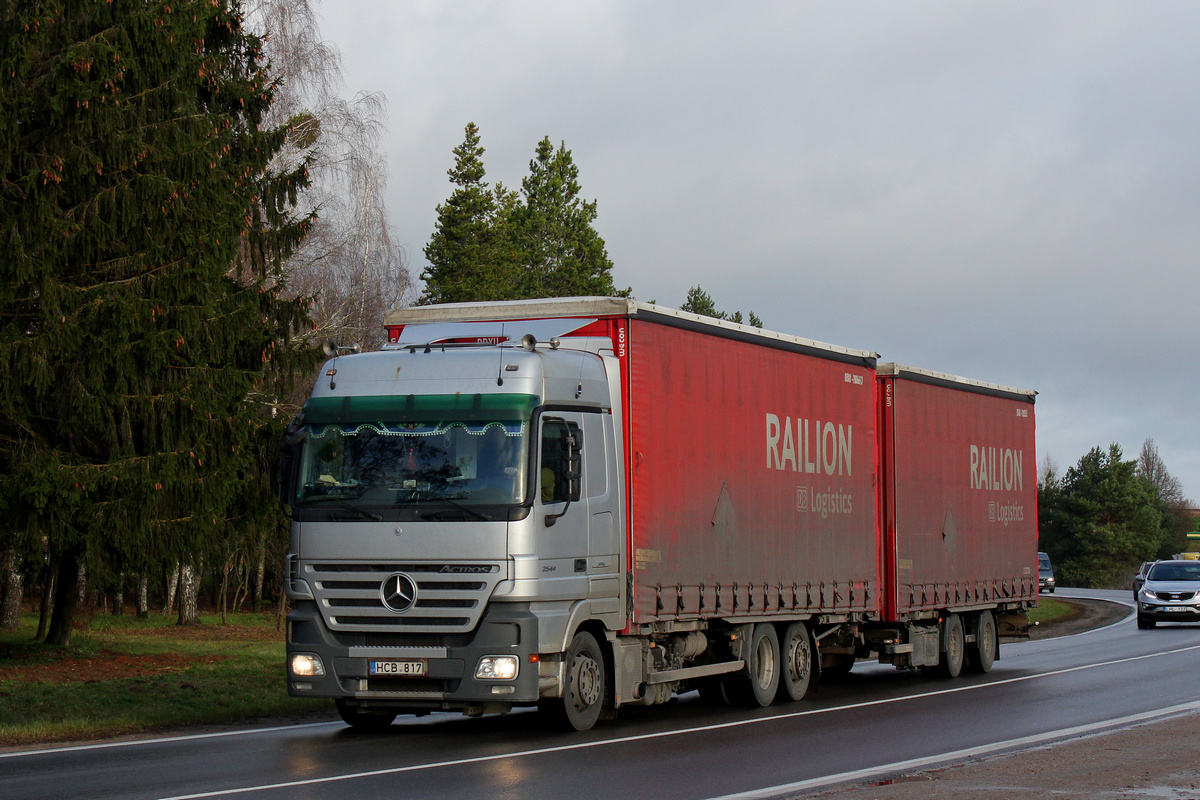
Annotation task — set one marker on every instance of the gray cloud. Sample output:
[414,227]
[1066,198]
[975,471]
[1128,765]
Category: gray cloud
[1004,191]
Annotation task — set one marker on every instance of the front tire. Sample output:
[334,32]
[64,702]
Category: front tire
[586,685]
[1145,623]
[797,650]
[362,720]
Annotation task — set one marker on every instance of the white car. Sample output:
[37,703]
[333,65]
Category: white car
[1171,593]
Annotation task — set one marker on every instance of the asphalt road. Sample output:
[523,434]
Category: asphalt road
[877,721]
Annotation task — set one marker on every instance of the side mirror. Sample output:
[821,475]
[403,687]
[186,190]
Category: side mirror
[289,456]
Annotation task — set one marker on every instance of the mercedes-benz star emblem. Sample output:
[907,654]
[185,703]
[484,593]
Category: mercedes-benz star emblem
[398,592]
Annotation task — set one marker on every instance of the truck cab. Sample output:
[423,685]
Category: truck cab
[453,520]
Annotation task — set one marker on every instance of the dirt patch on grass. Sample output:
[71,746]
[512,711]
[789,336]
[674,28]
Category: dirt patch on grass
[105,665]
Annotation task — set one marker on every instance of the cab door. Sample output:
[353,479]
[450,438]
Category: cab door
[560,505]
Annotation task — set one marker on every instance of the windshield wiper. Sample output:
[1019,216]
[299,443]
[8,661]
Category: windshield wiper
[461,507]
[356,511]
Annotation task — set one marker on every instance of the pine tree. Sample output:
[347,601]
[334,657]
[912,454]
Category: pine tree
[469,254]
[133,175]
[699,301]
[496,244]
[561,251]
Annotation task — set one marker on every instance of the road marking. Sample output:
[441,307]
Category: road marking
[75,748]
[786,789]
[1014,743]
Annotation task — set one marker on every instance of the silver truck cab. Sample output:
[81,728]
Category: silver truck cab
[456,516]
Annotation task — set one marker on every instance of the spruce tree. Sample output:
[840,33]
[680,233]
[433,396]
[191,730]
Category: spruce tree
[133,176]
[562,253]
[470,256]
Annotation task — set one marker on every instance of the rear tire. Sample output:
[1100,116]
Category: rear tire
[982,654]
[953,648]
[362,720]
[759,684]
[585,689]
[796,676]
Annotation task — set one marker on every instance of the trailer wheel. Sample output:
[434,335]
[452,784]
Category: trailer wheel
[361,720]
[796,676]
[953,648]
[586,684]
[759,684]
[982,654]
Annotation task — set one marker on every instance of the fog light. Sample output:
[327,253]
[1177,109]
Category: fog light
[305,665]
[496,668]
[508,689]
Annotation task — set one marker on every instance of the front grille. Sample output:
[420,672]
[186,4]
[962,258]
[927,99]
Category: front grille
[1175,595]
[450,597]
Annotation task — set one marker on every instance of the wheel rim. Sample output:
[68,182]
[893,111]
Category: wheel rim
[586,682]
[799,659]
[764,657]
[954,644]
[989,638]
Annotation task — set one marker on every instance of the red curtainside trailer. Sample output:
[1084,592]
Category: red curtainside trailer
[752,476]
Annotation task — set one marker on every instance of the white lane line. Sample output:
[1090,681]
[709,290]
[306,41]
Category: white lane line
[75,748]
[704,728]
[783,790]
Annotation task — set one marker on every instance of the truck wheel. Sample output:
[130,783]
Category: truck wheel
[797,670]
[362,720]
[759,684]
[982,654]
[586,684]
[953,647]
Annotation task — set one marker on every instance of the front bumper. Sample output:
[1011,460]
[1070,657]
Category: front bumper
[449,682]
[1168,612]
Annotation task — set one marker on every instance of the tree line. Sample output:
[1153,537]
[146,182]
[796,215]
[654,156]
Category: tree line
[1103,517]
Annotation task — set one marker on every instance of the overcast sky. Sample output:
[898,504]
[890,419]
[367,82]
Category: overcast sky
[1006,191]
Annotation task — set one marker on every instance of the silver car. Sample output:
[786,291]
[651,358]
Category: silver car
[1171,593]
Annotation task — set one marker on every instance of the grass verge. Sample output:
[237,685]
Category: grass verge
[123,675]
[1049,610]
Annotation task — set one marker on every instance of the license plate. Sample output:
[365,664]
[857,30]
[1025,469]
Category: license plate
[403,669]
[1177,608]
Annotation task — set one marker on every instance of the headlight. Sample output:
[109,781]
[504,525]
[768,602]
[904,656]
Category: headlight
[305,665]
[496,668]
[1149,594]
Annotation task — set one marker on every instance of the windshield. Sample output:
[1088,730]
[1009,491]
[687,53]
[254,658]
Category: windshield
[376,464]
[1168,571]
[458,452]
